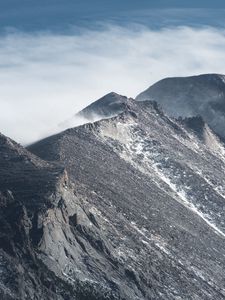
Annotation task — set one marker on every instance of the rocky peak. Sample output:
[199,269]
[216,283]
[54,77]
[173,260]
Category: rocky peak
[202,95]
[128,207]
[107,106]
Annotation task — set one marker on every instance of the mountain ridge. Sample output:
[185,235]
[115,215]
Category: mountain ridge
[202,95]
[129,207]
[130,144]
[107,106]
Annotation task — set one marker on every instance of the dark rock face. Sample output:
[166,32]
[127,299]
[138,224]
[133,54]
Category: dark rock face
[202,95]
[142,213]
[108,106]
[47,234]
[25,182]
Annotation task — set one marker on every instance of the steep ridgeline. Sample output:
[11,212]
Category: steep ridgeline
[29,188]
[202,95]
[153,189]
[107,106]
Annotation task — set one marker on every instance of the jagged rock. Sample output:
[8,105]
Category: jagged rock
[41,250]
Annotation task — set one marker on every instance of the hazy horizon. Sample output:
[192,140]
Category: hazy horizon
[56,59]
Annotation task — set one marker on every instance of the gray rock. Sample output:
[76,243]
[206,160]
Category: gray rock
[110,105]
[202,95]
[147,217]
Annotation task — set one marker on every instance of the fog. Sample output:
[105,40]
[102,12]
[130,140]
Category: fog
[46,78]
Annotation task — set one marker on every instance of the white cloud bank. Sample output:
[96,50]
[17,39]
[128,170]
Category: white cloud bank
[46,78]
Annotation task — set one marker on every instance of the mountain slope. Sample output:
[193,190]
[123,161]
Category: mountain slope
[156,191]
[28,187]
[48,234]
[202,95]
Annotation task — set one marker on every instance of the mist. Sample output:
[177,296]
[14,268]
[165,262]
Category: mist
[46,78]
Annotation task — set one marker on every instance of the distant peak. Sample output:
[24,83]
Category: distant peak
[110,96]
[202,95]
[114,94]
[199,76]
[108,105]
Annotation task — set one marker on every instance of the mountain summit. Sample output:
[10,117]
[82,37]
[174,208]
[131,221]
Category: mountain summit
[107,106]
[202,95]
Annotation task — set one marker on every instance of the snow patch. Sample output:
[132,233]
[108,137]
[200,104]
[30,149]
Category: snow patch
[148,240]
[182,195]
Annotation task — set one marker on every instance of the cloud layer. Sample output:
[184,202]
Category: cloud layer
[46,78]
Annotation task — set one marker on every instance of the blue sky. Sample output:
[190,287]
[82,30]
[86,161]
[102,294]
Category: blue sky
[58,56]
[61,15]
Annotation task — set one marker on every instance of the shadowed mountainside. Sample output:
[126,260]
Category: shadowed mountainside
[202,95]
[107,106]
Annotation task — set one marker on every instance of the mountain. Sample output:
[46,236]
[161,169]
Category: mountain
[29,187]
[107,106]
[39,240]
[51,245]
[202,95]
[150,217]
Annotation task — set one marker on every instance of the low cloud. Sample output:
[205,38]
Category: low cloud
[45,78]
